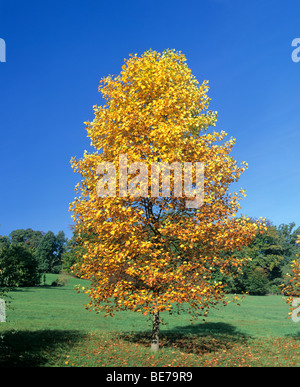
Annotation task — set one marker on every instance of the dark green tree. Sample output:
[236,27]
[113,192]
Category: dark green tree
[49,252]
[18,267]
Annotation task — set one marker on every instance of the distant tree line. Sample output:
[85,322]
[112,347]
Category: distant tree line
[26,255]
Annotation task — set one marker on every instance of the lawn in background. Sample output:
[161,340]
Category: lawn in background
[49,326]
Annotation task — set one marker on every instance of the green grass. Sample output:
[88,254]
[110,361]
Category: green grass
[49,326]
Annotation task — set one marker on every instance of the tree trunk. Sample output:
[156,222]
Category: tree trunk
[155,332]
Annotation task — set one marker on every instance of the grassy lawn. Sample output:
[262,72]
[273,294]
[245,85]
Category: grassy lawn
[49,326]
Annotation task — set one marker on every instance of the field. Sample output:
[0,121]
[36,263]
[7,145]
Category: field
[49,327]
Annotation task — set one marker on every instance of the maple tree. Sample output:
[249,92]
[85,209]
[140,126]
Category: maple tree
[152,254]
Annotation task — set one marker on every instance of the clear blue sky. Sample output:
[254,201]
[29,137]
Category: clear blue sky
[57,52]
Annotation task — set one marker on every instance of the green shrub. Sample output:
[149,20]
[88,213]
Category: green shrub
[61,280]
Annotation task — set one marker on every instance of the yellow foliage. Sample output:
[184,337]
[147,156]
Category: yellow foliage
[154,251]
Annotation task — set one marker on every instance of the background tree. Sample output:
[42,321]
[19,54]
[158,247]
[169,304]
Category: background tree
[151,254]
[4,242]
[27,238]
[61,243]
[49,252]
[18,267]
[289,235]
[256,282]
[73,253]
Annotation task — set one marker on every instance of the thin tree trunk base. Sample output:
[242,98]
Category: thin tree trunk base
[155,332]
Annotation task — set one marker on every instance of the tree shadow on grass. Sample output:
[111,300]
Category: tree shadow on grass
[197,338]
[34,348]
